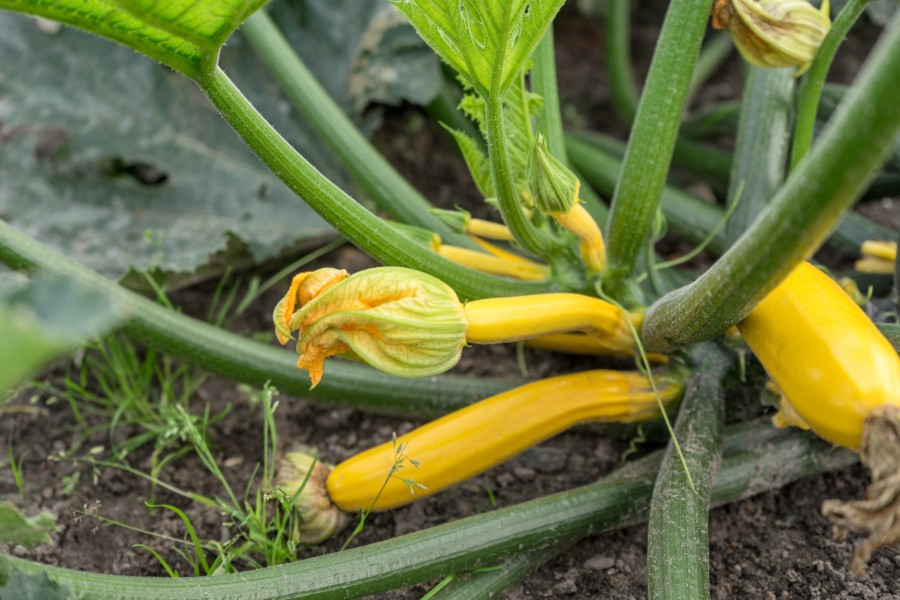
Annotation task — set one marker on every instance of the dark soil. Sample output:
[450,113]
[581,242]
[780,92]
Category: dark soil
[775,545]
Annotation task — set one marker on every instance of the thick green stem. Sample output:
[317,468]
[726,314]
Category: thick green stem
[800,217]
[653,136]
[347,216]
[678,542]
[689,217]
[814,80]
[519,224]
[762,145]
[757,458]
[241,359]
[622,86]
[391,191]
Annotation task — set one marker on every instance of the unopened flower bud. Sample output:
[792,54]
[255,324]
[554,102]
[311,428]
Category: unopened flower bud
[555,190]
[398,320]
[774,33]
[554,186]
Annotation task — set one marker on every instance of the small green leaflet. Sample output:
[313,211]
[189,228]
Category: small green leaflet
[482,40]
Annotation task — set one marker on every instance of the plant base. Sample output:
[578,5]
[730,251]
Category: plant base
[320,518]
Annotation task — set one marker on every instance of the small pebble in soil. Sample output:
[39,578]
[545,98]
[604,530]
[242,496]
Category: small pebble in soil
[600,562]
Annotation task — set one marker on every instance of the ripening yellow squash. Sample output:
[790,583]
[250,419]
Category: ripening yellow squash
[830,361]
[471,440]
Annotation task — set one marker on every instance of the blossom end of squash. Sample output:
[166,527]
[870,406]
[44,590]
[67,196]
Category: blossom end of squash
[320,519]
[878,516]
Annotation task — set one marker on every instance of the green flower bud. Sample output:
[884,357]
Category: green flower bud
[554,186]
[774,33]
[398,320]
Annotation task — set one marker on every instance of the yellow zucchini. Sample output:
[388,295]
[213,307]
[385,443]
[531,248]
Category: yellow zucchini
[472,440]
[830,361]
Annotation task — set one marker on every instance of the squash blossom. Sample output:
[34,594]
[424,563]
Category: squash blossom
[774,33]
[398,320]
[555,189]
[410,324]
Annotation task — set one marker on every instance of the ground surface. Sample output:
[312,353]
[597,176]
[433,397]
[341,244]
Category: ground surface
[775,545]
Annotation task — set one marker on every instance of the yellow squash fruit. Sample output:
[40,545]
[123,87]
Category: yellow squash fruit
[469,441]
[832,364]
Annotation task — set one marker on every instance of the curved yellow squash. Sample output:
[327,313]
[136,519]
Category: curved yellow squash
[828,358]
[473,439]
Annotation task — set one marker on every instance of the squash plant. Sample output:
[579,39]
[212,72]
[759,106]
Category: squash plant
[587,271]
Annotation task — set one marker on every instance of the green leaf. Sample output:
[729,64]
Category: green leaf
[477,162]
[183,34]
[32,586]
[392,64]
[41,320]
[16,528]
[472,35]
[88,128]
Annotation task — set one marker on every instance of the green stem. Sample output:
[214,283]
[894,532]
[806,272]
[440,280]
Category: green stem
[678,544]
[522,228]
[756,458]
[800,217]
[391,191]
[689,217]
[653,135]
[762,144]
[622,86]
[240,359]
[814,80]
[360,226]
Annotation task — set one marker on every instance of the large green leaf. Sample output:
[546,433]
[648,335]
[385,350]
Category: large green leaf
[42,319]
[183,34]
[87,127]
[360,51]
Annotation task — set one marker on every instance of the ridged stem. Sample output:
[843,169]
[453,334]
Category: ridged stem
[811,87]
[360,226]
[761,148]
[653,136]
[241,359]
[756,458]
[678,541]
[800,217]
[391,191]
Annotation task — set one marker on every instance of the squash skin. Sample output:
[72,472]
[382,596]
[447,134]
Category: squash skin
[471,440]
[829,359]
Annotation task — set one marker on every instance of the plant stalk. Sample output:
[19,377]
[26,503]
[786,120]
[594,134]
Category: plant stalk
[814,81]
[361,227]
[678,541]
[653,137]
[800,217]
[391,191]
[761,147]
